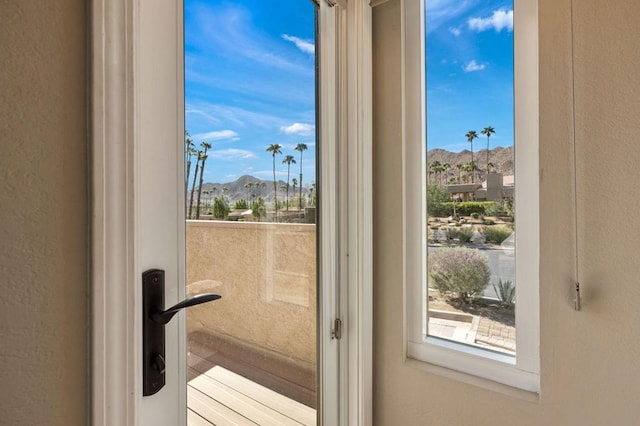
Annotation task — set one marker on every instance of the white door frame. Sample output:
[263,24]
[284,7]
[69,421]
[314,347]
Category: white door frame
[115,310]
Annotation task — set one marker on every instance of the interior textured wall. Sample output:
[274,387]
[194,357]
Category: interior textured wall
[589,359]
[43,213]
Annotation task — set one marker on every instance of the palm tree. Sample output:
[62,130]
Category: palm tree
[274,149]
[206,146]
[434,168]
[488,131]
[193,185]
[467,168]
[301,147]
[248,187]
[294,185]
[460,167]
[471,135]
[189,151]
[445,169]
[288,160]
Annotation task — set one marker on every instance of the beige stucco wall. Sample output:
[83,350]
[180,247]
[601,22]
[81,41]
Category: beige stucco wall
[43,213]
[266,275]
[589,359]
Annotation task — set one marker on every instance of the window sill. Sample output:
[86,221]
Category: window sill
[474,366]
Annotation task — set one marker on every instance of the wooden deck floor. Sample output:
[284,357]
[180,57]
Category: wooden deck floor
[218,396]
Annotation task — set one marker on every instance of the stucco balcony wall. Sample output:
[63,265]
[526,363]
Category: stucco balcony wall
[266,275]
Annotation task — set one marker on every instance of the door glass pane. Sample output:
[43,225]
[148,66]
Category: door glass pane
[250,71]
[470,157]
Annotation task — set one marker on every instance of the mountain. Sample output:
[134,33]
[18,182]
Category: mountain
[237,189]
[501,157]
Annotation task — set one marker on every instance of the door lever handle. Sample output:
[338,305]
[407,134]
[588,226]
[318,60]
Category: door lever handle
[165,316]
[153,333]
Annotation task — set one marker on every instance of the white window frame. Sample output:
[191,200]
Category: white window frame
[475,365]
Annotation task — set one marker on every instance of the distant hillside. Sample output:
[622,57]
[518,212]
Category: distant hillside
[501,157]
[237,189]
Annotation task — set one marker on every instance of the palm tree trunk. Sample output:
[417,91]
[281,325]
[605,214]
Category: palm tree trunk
[275,186]
[473,168]
[300,196]
[288,174]
[193,190]
[200,189]
[186,186]
[487,157]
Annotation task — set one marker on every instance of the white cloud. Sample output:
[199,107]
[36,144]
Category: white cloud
[233,154]
[304,45]
[442,12]
[455,31]
[229,29]
[218,135]
[302,129]
[499,20]
[473,66]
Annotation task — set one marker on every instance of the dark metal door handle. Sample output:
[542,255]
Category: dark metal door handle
[154,319]
[165,316]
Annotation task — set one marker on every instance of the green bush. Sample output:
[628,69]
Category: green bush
[496,234]
[466,208]
[460,270]
[488,221]
[241,204]
[465,234]
[258,208]
[220,207]
[438,204]
[502,209]
[475,215]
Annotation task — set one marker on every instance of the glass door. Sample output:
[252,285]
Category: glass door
[252,193]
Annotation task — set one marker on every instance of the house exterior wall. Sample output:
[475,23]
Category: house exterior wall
[589,359]
[43,213]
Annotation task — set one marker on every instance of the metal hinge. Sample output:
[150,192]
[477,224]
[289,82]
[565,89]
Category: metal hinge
[336,331]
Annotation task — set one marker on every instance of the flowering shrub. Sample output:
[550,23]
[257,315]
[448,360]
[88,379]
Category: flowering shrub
[460,270]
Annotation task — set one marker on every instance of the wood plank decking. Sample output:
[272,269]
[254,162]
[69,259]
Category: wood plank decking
[217,396]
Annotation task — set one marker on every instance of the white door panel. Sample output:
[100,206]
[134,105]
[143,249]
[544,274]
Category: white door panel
[158,174]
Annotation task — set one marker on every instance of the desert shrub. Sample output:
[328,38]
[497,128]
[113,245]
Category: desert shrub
[258,208]
[465,234]
[488,221]
[438,204]
[450,233]
[434,227]
[220,207]
[497,234]
[506,292]
[460,270]
[475,215]
[241,204]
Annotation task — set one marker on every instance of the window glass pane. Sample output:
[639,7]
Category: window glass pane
[470,167]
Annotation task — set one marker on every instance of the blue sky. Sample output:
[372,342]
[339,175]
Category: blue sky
[249,71]
[469,72]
